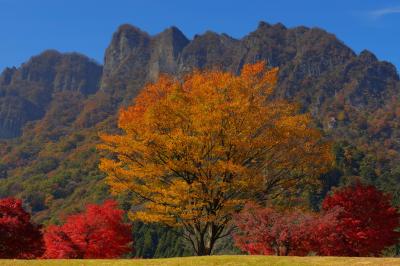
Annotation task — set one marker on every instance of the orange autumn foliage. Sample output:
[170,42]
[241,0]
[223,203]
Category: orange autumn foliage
[194,150]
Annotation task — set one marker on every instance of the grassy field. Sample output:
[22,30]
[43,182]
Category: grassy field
[214,261]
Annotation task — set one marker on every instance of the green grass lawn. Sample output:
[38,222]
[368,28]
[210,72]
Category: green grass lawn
[215,260]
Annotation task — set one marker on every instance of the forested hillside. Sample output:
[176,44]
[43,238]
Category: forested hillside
[53,107]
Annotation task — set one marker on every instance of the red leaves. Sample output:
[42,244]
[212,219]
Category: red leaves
[355,221]
[99,232]
[267,231]
[19,238]
[366,222]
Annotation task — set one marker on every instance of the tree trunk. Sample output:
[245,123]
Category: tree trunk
[203,236]
[205,240]
[283,251]
[203,249]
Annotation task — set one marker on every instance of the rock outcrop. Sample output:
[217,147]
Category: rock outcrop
[27,91]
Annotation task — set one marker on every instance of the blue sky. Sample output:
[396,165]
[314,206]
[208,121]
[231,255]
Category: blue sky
[86,26]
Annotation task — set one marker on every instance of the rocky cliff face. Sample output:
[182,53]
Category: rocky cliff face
[134,57]
[126,59]
[27,91]
[314,65]
[166,49]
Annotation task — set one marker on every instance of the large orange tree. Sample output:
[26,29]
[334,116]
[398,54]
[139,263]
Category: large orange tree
[194,150]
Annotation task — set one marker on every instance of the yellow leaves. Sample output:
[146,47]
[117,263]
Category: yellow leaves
[250,71]
[152,217]
[197,148]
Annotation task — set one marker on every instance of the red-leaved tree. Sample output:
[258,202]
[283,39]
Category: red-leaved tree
[99,232]
[267,231]
[365,224]
[355,221]
[19,237]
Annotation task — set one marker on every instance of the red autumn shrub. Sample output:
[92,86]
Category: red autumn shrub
[366,222]
[99,232]
[19,237]
[355,221]
[267,231]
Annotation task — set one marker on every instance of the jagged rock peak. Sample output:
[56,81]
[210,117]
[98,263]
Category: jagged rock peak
[173,32]
[126,37]
[367,56]
[174,36]
[54,56]
[27,92]
[262,25]
[213,36]
[6,75]
[128,28]
[48,57]
[129,44]
[60,72]
[48,52]
[166,48]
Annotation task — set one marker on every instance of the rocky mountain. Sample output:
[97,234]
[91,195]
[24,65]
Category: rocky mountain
[134,57]
[26,92]
[53,106]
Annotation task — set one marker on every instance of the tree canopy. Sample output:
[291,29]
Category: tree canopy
[195,149]
[19,237]
[366,224]
[99,232]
